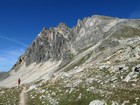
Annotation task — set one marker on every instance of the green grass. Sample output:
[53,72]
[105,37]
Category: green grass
[9,96]
[121,95]
[35,100]
[64,97]
[122,92]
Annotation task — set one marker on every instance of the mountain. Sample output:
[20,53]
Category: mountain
[100,55]
[57,48]
[3,75]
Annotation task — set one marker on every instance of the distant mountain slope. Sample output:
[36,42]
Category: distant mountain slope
[3,75]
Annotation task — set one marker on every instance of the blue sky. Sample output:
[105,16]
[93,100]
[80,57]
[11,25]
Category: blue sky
[22,20]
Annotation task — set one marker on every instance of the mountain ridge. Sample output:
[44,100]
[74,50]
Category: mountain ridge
[63,46]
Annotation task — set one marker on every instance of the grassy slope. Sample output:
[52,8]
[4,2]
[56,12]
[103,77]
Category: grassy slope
[59,93]
[9,96]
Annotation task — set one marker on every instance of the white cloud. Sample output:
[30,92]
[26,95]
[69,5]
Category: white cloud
[8,58]
[12,40]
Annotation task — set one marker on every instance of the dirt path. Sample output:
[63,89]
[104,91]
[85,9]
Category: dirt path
[22,96]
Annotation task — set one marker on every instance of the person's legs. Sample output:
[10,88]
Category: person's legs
[18,84]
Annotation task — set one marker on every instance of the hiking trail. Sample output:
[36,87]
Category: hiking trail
[22,96]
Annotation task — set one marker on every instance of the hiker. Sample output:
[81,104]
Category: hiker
[19,81]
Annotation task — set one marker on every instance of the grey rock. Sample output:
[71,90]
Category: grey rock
[63,43]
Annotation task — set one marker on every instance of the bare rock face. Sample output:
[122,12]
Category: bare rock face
[63,43]
[50,44]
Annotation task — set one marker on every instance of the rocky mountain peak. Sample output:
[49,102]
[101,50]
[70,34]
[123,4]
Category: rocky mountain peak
[80,23]
[62,25]
[99,57]
[57,43]
[98,34]
[63,29]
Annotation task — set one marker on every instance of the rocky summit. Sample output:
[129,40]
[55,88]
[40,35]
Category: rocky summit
[97,62]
